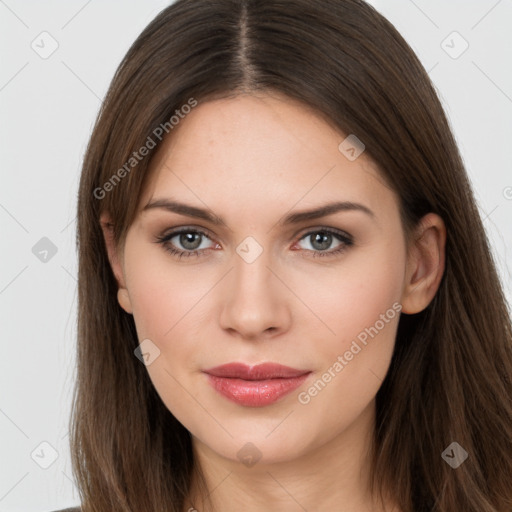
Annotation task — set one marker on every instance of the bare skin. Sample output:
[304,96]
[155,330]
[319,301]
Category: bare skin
[253,160]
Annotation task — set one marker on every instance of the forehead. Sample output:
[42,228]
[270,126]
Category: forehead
[264,152]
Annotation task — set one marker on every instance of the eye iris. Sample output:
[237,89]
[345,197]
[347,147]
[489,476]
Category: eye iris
[187,240]
[324,240]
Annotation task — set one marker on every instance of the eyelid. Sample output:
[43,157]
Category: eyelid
[205,232]
[172,232]
[344,238]
[316,229]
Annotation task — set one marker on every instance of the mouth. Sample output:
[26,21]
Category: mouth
[255,386]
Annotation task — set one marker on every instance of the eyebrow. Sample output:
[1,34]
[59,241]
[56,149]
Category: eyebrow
[292,218]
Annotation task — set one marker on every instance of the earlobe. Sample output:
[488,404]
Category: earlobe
[124,300]
[425,264]
[108,234]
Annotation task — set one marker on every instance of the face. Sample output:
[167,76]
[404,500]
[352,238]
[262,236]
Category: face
[262,282]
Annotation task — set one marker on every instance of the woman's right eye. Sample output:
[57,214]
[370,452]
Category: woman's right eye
[189,239]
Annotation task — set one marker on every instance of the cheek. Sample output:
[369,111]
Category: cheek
[170,308]
[162,293]
[359,306]
[167,303]
[352,296]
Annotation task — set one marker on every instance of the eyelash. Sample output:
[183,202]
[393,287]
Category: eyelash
[345,238]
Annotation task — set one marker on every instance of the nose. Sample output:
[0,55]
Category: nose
[255,303]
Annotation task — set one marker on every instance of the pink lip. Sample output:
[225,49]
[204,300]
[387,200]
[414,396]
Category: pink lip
[255,386]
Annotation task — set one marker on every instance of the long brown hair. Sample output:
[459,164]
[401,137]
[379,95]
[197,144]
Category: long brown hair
[450,378]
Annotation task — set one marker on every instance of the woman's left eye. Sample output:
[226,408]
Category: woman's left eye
[191,240]
[321,240]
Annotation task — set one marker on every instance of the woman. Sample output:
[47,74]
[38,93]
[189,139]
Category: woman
[286,295]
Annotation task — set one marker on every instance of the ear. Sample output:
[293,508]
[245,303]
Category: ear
[115,262]
[425,264]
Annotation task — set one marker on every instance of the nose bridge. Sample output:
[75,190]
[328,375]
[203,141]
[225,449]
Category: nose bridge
[254,302]
[252,276]
[251,262]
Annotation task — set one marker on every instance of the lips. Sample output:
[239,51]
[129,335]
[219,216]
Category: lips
[255,386]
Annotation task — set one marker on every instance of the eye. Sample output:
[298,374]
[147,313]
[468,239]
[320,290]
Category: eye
[322,239]
[184,242]
[187,242]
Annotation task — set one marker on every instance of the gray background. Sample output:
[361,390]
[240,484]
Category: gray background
[47,108]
